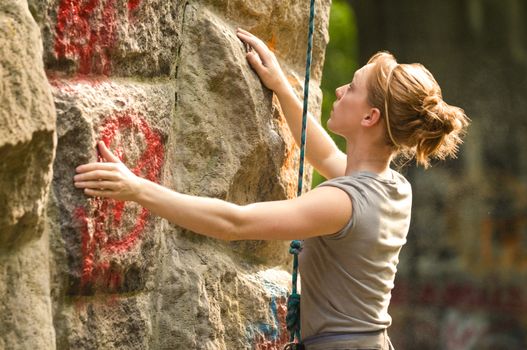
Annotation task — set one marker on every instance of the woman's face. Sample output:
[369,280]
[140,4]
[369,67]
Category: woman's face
[351,104]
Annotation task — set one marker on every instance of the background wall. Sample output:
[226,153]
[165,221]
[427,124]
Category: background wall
[462,280]
[167,86]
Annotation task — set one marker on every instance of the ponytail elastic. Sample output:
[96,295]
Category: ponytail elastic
[388,127]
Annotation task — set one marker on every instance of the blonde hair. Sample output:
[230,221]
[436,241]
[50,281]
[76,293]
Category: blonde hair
[418,122]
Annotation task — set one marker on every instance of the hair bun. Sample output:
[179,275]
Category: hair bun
[439,116]
[432,100]
[443,127]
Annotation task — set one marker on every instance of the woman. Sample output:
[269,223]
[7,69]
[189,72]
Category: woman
[354,224]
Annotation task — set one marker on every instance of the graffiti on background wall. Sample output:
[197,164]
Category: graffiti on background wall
[106,233]
[462,330]
[469,316]
[86,32]
[494,298]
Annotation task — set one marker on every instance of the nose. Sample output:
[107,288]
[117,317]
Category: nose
[338,92]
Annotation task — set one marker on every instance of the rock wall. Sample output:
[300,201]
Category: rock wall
[27,149]
[167,86]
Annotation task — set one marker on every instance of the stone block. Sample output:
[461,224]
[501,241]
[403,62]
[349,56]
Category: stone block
[27,119]
[27,148]
[109,244]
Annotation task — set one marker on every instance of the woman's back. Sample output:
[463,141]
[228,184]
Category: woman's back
[347,277]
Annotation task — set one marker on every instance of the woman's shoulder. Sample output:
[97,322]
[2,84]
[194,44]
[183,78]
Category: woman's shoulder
[391,181]
[392,177]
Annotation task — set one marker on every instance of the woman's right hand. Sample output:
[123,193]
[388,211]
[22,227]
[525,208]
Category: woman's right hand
[264,62]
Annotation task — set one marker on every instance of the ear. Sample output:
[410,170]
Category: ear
[372,118]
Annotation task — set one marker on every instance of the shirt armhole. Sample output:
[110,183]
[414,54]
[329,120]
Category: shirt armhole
[349,226]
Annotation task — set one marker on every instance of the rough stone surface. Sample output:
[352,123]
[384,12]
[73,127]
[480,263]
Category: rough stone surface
[26,126]
[27,142]
[166,85]
[112,111]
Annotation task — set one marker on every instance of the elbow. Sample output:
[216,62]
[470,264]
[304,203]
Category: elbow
[232,233]
[230,237]
[236,227]
[223,232]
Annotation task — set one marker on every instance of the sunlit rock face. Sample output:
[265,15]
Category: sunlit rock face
[166,85]
[27,148]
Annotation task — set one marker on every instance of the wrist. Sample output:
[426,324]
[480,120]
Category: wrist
[139,190]
[284,90]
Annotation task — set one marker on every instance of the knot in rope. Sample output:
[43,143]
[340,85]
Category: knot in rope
[292,318]
[295,247]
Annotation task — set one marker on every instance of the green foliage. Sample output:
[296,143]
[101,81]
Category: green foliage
[340,63]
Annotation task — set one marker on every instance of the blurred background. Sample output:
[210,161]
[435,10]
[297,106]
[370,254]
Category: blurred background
[462,279]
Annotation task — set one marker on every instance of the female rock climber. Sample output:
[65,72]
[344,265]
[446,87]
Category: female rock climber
[355,223]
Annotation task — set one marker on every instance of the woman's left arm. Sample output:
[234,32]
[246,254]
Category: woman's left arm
[322,211]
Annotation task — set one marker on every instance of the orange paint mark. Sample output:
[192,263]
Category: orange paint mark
[293,81]
[288,171]
[271,43]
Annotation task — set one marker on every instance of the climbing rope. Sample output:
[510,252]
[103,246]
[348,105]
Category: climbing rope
[293,301]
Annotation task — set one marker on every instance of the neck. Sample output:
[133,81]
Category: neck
[365,157]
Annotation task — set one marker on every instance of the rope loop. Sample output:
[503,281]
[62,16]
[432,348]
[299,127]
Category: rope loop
[295,247]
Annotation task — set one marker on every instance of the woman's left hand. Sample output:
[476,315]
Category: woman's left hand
[264,62]
[110,179]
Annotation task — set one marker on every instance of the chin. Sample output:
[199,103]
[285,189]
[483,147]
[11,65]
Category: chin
[329,126]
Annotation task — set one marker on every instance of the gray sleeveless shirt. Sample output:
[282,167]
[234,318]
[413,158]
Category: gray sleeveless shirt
[347,277]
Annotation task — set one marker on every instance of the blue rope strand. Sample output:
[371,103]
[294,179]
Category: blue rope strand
[306,95]
[293,301]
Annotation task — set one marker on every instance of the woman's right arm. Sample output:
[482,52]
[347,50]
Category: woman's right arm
[321,211]
[321,150]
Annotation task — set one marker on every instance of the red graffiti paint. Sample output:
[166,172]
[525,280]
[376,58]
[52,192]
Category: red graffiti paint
[104,217]
[86,33]
[133,4]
